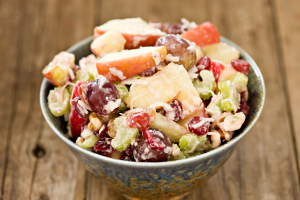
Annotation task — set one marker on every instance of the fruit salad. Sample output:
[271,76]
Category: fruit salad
[151,92]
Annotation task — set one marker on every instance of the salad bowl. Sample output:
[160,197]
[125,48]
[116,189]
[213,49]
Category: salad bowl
[162,180]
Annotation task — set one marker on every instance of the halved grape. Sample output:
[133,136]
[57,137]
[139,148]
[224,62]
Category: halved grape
[122,89]
[240,81]
[124,135]
[102,96]
[207,85]
[83,75]
[178,46]
[230,100]
[90,141]
[59,101]
[191,143]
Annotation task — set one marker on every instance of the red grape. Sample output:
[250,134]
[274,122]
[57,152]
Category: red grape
[103,97]
[142,152]
[176,114]
[174,29]
[203,62]
[149,72]
[103,147]
[102,132]
[127,155]
[177,46]
[195,126]
[240,65]
[82,112]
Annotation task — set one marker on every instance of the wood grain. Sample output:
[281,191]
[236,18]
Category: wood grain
[35,164]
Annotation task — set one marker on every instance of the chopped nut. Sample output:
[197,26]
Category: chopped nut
[215,139]
[111,128]
[79,141]
[95,122]
[227,135]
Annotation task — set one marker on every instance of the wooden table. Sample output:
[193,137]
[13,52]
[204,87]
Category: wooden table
[34,162]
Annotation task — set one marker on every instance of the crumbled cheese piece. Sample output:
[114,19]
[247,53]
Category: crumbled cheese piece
[111,105]
[192,72]
[117,73]
[156,57]
[102,80]
[172,58]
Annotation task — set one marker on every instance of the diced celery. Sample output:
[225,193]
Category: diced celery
[190,143]
[83,75]
[59,101]
[122,89]
[230,100]
[124,135]
[90,141]
[207,85]
[240,81]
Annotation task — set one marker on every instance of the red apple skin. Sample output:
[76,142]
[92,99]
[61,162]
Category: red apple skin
[145,40]
[76,122]
[129,66]
[203,35]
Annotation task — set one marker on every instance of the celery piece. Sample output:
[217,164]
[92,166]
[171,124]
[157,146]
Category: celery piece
[191,143]
[59,101]
[240,81]
[124,135]
[230,100]
[89,141]
[122,89]
[83,75]
[207,85]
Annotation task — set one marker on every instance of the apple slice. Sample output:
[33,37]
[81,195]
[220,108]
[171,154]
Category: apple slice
[110,41]
[76,122]
[222,52]
[188,94]
[123,65]
[203,35]
[157,88]
[58,69]
[136,31]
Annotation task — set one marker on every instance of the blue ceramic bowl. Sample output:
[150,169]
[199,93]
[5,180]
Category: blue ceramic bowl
[165,179]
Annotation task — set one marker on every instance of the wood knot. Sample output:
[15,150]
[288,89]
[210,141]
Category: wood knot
[44,197]
[39,151]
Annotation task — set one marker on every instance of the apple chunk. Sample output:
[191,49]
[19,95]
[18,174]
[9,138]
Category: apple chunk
[58,69]
[157,88]
[111,41]
[123,65]
[222,52]
[136,31]
[180,78]
[172,81]
[203,35]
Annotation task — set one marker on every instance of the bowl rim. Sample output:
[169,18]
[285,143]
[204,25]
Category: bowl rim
[159,164]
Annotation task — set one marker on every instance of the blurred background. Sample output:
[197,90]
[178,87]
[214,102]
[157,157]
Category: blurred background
[34,162]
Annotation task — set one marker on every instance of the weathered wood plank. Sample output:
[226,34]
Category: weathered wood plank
[58,174]
[287,17]
[264,157]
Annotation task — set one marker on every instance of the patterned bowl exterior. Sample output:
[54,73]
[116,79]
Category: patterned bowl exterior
[158,180]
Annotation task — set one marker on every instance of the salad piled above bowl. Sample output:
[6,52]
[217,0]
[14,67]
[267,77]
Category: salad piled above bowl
[151,92]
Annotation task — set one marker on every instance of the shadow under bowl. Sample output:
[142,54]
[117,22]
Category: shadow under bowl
[161,180]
